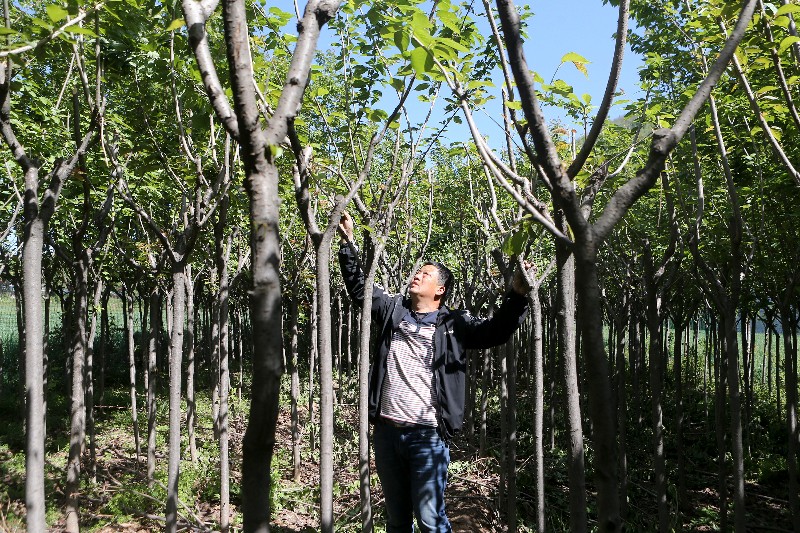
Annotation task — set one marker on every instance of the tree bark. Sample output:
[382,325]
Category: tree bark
[566,342]
[128,319]
[538,409]
[294,315]
[77,432]
[152,369]
[790,372]
[224,367]
[191,368]
[175,374]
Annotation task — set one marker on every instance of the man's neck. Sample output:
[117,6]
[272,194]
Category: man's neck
[419,306]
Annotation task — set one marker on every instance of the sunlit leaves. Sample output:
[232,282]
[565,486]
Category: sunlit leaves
[578,60]
[56,13]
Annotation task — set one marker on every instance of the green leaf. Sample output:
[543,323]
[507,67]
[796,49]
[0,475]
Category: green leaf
[81,30]
[401,40]
[7,31]
[587,98]
[765,89]
[789,8]
[420,26]
[578,60]
[574,57]
[514,104]
[398,84]
[175,24]
[56,13]
[787,42]
[453,44]
[421,60]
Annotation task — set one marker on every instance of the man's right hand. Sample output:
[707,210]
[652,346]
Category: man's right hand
[346,227]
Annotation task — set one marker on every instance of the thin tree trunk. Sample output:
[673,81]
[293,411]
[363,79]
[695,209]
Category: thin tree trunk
[511,459]
[538,409]
[312,365]
[501,354]
[215,357]
[175,374]
[294,315]
[790,373]
[720,379]
[484,402]
[224,368]
[78,405]
[567,336]
[656,386]
[128,319]
[679,421]
[191,402]
[326,384]
[89,373]
[33,375]
[622,410]
[103,354]
[152,351]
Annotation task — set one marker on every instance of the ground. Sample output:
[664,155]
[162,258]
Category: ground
[121,501]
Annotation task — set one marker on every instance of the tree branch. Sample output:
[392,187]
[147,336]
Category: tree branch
[665,139]
[197,14]
[41,42]
[608,97]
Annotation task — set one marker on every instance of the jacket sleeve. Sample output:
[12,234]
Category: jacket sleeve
[354,282]
[479,333]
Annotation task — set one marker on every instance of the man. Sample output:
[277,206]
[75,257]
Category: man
[417,382]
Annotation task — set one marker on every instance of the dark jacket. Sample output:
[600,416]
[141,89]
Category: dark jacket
[456,332]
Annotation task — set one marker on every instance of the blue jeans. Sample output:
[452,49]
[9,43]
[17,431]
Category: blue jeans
[412,466]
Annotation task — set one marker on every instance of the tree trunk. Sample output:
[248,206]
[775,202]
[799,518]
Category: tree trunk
[679,419]
[326,384]
[155,332]
[720,379]
[501,354]
[511,458]
[294,315]
[103,354]
[622,408]
[175,374]
[656,385]
[599,387]
[34,354]
[127,312]
[266,327]
[77,433]
[215,356]
[484,401]
[224,369]
[790,371]
[89,373]
[538,409]
[312,365]
[566,341]
[191,402]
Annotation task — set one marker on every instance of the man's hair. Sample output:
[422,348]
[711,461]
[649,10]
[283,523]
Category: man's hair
[445,279]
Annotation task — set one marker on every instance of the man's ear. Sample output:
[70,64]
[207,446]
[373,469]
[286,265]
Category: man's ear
[440,290]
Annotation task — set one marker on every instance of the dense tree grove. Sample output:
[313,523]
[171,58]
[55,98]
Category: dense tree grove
[177,349]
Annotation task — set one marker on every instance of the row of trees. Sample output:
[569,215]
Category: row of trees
[145,140]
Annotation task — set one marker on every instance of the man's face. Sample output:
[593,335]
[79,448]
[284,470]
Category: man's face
[425,283]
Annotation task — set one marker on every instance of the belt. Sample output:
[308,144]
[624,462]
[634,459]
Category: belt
[402,425]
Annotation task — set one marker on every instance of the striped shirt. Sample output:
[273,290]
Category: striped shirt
[409,394]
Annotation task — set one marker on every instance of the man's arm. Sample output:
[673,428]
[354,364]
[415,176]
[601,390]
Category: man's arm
[482,333]
[352,273]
